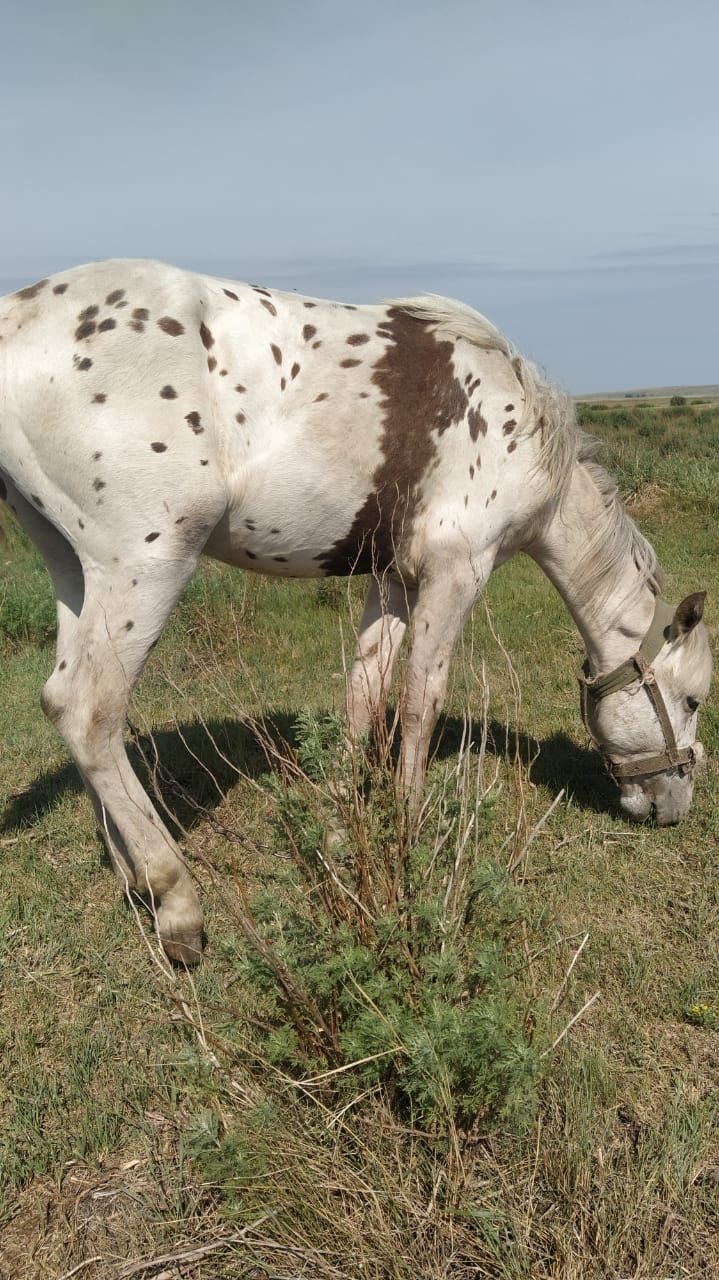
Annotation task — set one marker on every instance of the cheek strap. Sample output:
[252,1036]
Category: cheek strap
[639,667]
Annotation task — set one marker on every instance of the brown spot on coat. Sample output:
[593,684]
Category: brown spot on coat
[276,352]
[508,408]
[172,327]
[150,537]
[322,396]
[421,399]
[357,339]
[258,289]
[89,313]
[294,370]
[59,288]
[229,294]
[308,331]
[194,421]
[168,393]
[98,484]
[349,364]
[270,306]
[309,304]
[211,363]
[206,335]
[31,291]
[508,427]
[129,625]
[240,417]
[140,313]
[477,424]
[85,364]
[85,330]
[104,325]
[100,398]
[115,296]
[158,447]
[240,388]
[511,447]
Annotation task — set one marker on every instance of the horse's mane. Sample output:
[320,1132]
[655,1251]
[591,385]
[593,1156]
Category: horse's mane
[549,410]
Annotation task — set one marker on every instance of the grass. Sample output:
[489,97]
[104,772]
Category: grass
[145,1114]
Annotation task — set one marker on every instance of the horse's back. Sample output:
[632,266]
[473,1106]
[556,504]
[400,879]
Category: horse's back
[293,435]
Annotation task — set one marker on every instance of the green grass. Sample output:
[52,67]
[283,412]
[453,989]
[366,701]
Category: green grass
[142,1112]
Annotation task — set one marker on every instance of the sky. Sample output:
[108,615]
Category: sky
[554,163]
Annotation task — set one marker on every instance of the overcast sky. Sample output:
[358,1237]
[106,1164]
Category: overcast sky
[555,163]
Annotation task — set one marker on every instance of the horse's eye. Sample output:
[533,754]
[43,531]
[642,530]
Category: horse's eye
[692,704]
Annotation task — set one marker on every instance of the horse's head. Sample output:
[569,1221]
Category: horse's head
[643,715]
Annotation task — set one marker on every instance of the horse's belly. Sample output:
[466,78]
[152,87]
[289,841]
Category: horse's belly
[287,524]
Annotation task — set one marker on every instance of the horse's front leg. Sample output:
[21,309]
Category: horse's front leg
[387,611]
[446,595]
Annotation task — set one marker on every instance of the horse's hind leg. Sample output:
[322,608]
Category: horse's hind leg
[86,697]
[386,613]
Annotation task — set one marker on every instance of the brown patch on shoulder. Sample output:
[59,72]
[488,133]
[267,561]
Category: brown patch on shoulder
[31,290]
[265,302]
[276,352]
[420,400]
[140,313]
[308,332]
[85,330]
[106,325]
[168,393]
[172,327]
[59,288]
[206,335]
[116,296]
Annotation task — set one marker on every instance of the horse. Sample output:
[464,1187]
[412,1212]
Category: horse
[149,415]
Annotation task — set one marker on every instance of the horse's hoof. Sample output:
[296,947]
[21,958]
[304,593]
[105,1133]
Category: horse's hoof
[181,941]
[182,952]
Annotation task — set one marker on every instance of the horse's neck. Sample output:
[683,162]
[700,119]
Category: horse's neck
[614,618]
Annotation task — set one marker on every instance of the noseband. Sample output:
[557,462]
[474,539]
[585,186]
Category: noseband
[639,667]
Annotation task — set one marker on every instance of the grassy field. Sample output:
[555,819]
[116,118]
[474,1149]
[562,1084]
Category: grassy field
[154,1123]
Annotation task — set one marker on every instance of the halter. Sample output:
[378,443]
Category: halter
[639,667]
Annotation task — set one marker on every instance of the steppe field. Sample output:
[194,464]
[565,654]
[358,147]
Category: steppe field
[491,1050]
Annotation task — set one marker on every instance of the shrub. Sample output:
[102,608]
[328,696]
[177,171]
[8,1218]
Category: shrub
[384,954]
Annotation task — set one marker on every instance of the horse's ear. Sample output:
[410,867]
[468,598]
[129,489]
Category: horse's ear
[688,614]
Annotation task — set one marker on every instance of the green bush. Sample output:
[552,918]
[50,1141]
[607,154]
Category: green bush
[386,956]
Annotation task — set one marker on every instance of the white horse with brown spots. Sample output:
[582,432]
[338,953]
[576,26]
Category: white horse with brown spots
[148,415]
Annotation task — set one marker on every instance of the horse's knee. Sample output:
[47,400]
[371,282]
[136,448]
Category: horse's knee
[53,697]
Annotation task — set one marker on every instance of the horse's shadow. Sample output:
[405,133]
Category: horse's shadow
[193,765]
